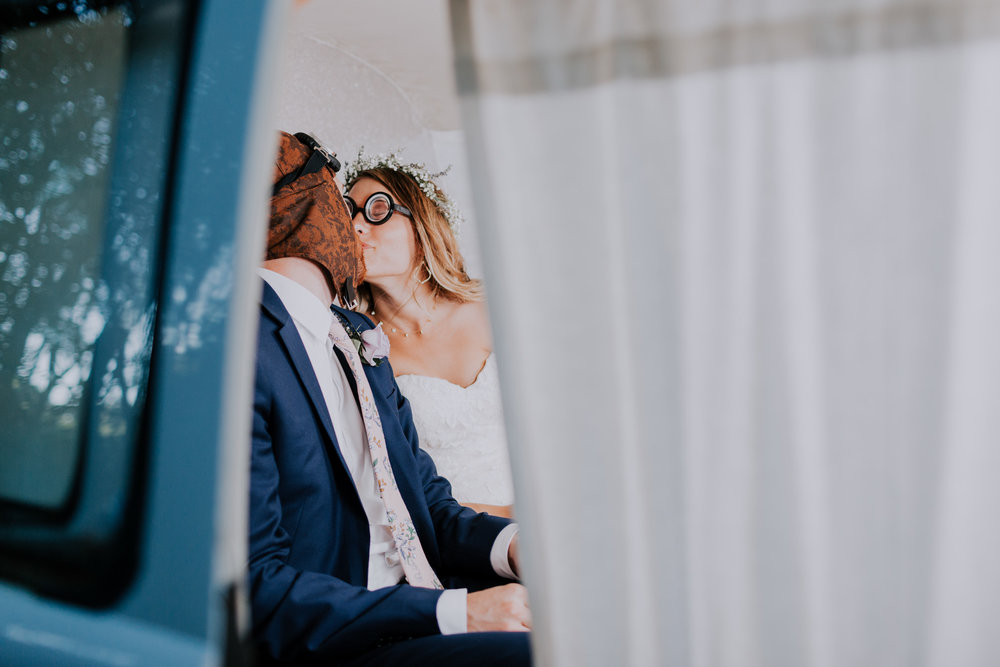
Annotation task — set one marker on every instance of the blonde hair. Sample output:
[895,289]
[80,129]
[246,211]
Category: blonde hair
[436,242]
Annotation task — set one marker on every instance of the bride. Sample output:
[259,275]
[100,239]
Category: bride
[434,314]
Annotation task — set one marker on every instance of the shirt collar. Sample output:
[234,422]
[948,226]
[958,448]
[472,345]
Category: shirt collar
[304,307]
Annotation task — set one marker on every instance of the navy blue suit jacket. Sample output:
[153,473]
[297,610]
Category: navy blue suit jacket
[309,537]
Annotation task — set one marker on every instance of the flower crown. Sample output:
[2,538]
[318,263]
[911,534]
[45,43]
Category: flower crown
[415,170]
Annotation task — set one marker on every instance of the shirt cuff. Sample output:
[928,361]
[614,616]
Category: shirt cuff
[499,558]
[452,614]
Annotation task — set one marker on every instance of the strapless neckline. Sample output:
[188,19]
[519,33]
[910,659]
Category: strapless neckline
[432,378]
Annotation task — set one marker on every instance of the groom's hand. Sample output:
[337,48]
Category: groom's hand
[503,608]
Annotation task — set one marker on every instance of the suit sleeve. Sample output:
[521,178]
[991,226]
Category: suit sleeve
[300,614]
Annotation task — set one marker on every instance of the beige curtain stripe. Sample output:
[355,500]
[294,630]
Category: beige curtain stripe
[837,35]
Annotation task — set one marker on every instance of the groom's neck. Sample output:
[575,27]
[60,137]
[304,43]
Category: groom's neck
[304,272]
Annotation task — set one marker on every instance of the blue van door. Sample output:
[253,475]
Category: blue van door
[134,167]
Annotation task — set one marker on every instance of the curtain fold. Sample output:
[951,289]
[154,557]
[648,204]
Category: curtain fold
[743,271]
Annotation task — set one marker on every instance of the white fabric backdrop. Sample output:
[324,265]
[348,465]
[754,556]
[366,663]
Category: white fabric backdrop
[744,265]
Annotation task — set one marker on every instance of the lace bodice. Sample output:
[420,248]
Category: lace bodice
[462,429]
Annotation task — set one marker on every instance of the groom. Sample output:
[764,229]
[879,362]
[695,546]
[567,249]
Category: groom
[358,553]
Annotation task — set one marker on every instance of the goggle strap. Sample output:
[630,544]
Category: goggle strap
[315,162]
[316,146]
[348,294]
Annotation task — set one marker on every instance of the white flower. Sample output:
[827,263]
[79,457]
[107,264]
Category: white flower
[374,346]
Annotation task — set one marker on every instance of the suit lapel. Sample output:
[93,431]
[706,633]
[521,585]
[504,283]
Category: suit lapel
[348,373]
[296,351]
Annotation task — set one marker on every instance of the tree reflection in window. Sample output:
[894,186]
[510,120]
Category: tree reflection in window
[60,85]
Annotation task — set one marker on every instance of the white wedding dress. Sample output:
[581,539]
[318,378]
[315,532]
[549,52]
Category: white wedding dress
[462,429]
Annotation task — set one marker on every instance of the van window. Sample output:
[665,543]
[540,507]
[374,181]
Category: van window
[90,93]
[60,88]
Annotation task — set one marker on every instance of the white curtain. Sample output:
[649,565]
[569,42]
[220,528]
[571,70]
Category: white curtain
[744,269]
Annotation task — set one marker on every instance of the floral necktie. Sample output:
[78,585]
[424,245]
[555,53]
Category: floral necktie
[416,567]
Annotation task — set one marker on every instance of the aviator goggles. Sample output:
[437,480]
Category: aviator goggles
[378,208]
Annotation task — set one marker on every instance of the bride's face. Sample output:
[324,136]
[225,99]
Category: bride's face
[390,248]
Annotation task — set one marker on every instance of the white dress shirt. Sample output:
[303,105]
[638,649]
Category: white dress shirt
[312,321]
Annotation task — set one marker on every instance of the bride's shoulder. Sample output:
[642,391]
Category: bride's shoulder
[473,314]
[470,326]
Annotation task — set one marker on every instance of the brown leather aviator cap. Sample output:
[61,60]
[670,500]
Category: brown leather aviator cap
[309,218]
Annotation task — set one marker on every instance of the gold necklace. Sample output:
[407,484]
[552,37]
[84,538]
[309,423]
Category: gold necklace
[395,328]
